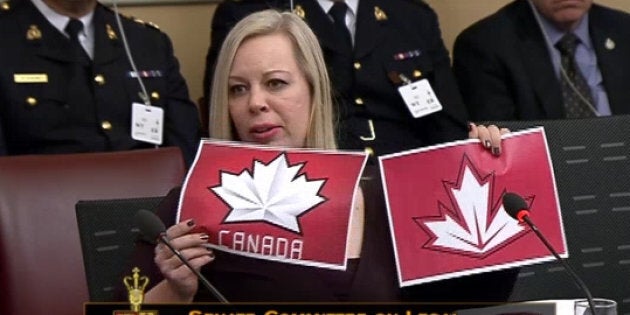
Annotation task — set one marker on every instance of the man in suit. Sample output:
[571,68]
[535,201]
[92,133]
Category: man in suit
[394,43]
[509,66]
[63,93]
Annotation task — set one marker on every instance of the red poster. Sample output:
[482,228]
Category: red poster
[446,214]
[288,205]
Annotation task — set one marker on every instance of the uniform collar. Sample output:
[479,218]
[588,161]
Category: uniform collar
[60,21]
[555,34]
[353,5]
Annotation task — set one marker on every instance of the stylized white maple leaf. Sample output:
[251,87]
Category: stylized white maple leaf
[477,229]
[273,193]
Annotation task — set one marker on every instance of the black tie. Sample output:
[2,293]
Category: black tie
[575,90]
[340,62]
[80,88]
[73,28]
[338,13]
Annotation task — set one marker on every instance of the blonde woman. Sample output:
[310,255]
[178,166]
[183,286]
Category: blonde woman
[271,88]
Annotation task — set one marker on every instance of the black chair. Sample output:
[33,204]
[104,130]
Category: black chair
[591,159]
[108,234]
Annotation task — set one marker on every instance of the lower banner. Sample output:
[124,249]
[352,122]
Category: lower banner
[328,308]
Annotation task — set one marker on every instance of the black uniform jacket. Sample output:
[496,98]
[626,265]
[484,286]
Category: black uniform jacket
[37,114]
[385,31]
[505,72]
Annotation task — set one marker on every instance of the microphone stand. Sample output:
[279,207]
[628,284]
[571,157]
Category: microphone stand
[574,275]
[215,292]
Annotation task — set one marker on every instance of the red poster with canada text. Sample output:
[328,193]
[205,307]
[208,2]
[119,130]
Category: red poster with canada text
[287,205]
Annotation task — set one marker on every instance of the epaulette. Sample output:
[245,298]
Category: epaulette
[134,19]
[149,24]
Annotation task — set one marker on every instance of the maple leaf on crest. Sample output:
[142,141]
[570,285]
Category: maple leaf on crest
[273,193]
[476,227]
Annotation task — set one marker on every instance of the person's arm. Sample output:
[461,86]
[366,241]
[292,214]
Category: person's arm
[482,79]
[222,22]
[450,123]
[181,125]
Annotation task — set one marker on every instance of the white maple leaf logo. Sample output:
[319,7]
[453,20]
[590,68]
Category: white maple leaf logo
[275,193]
[476,227]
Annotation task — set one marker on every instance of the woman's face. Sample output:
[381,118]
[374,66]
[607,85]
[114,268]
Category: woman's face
[269,98]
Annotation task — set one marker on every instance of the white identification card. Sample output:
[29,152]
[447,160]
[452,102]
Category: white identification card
[147,123]
[420,98]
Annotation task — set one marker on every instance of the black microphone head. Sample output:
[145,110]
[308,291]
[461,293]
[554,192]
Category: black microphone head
[149,224]
[513,203]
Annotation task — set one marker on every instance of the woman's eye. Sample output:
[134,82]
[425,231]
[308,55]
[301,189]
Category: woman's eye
[237,89]
[276,84]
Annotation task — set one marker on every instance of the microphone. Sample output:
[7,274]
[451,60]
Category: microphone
[151,226]
[517,208]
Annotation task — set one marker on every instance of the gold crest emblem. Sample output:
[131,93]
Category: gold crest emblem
[135,288]
[379,14]
[299,11]
[33,33]
[111,34]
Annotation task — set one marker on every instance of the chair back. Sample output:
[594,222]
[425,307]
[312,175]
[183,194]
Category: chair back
[108,235]
[592,168]
[41,265]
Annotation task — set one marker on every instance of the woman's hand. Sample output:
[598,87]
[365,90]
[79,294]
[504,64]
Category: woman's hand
[489,136]
[181,281]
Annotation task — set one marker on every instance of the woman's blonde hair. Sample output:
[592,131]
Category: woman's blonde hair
[321,132]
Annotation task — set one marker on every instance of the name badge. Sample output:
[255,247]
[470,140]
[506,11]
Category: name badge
[420,98]
[30,78]
[147,123]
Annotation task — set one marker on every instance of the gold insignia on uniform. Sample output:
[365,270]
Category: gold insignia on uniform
[379,14]
[111,34]
[417,73]
[31,101]
[610,44]
[5,6]
[33,33]
[30,78]
[299,11]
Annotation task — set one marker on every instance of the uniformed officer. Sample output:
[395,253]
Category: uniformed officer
[394,44]
[55,100]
